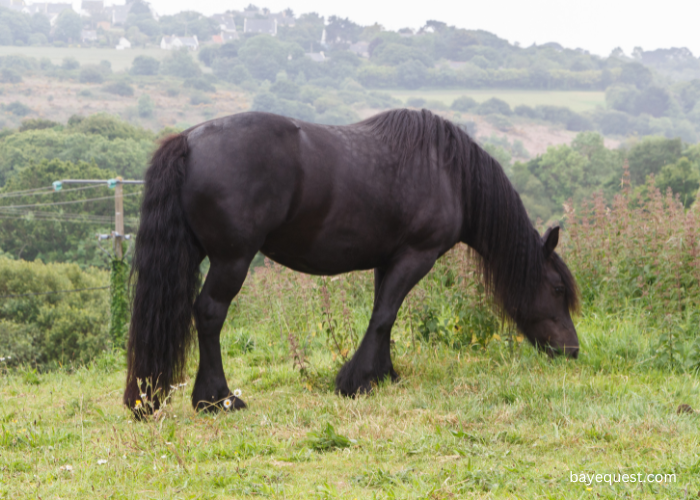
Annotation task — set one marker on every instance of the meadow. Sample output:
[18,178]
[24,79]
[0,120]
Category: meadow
[578,101]
[499,423]
[120,59]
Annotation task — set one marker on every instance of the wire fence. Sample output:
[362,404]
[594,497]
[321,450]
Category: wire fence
[53,292]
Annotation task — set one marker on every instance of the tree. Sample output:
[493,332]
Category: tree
[464,103]
[650,155]
[68,27]
[494,105]
[265,56]
[146,106]
[412,74]
[653,101]
[180,63]
[145,65]
[683,179]
[636,74]
[340,30]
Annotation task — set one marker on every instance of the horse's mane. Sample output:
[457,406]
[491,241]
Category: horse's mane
[498,227]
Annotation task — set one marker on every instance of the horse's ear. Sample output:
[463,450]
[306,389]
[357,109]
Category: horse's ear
[550,240]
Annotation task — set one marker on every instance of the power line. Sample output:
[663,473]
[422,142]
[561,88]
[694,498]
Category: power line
[21,194]
[53,292]
[58,217]
[66,202]
[27,191]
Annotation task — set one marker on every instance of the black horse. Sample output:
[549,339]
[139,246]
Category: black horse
[392,193]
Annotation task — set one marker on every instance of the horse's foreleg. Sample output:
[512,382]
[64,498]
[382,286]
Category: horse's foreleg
[372,360]
[223,282]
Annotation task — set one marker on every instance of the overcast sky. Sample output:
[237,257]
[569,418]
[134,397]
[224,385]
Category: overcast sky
[595,25]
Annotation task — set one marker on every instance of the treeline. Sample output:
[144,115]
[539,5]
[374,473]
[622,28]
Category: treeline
[570,174]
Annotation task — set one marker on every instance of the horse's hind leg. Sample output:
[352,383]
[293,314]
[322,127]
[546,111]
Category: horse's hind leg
[222,284]
[372,360]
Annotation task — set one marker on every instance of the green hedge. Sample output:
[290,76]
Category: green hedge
[51,329]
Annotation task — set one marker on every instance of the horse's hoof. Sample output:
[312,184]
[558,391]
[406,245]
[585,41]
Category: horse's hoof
[350,385]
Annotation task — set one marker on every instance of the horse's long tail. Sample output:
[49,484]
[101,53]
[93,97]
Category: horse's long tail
[166,271]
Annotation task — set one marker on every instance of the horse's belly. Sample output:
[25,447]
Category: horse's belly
[325,256]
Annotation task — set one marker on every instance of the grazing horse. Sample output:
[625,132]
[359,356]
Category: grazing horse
[392,193]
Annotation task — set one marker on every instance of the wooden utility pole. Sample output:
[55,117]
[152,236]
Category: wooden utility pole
[119,218]
[118,186]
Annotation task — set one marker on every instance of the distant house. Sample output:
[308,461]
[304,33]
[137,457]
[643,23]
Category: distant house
[284,18]
[227,25]
[88,36]
[265,26]
[104,25]
[179,42]
[93,7]
[360,48]
[57,8]
[123,44]
[316,56]
[119,13]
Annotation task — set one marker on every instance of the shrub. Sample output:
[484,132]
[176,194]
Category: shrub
[91,74]
[494,106]
[180,63]
[145,65]
[52,328]
[70,63]
[464,103]
[526,111]
[415,102]
[146,106]
[9,75]
[37,124]
[17,108]
[119,88]
[199,83]
[108,126]
[286,89]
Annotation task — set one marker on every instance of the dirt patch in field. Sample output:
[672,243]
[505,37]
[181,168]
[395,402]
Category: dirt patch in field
[59,100]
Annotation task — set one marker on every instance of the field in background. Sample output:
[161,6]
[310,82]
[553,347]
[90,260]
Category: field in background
[578,101]
[120,59]
[458,425]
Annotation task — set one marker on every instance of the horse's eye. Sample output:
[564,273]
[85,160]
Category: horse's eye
[559,290]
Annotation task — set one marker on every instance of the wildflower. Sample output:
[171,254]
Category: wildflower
[144,396]
[237,393]
[174,387]
[162,456]
[182,384]
[67,468]
[137,405]
[2,359]
[101,461]
[227,403]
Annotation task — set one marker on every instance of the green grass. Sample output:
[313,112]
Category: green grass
[469,424]
[120,59]
[576,100]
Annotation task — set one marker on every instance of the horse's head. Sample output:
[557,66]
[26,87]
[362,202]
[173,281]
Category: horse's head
[547,322]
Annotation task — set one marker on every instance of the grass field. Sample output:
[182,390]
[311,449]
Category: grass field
[120,59]
[576,100]
[491,424]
